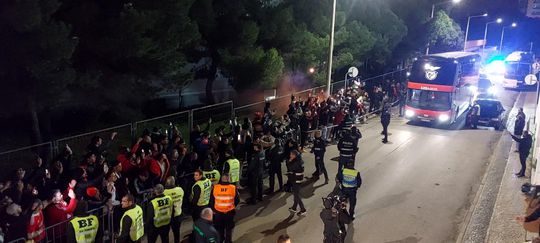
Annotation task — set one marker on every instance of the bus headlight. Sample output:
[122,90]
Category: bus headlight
[473,89]
[409,113]
[491,90]
[444,118]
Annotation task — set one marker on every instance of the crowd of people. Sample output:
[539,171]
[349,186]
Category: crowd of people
[149,187]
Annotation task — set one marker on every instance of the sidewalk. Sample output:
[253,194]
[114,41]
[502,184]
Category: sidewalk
[510,202]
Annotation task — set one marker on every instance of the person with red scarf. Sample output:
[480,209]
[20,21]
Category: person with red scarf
[36,226]
[160,168]
[60,211]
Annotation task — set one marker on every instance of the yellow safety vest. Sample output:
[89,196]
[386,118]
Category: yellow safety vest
[85,228]
[177,195]
[162,210]
[213,176]
[206,191]
[234,170]
[349,178]
[137,223]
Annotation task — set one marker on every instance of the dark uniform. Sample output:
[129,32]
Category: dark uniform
[318,149]
[275,156]
[255,173]
[524,147]
[347,147]
[296,175]
[385,121]
[204,232]
[350,181]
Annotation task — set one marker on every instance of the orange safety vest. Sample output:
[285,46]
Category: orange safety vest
[224,197]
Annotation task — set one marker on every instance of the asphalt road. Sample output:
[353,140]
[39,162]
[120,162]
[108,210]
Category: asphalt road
[417,188]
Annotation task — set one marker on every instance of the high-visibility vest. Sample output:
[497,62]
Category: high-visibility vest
[206,191]
[224,197]
[162,210]
[177,195]
[234,170]
[213,176]
[349,178]
[137,223]
[85,228]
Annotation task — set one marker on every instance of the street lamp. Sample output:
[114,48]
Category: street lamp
[467,30]
[502,35]
[498,21]
[331,52]
[432,15]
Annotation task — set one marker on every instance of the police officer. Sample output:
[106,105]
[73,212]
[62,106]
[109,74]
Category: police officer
[225,198]
[275,156]
[131,223]
[385,121]
[200,193]
[255,173]
[159,215]
[177,195]
[475,113]
[232,167]
[347,147]
[318,149]
[350,181]
[83,227]
[210,173]
[295,171]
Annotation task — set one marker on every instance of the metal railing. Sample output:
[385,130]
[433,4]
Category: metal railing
[220,114]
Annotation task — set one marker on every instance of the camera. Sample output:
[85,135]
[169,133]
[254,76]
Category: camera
[337,202]
[531,190]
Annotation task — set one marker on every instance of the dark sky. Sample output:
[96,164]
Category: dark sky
[509,10]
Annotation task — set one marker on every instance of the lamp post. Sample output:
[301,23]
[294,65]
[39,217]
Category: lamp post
[498,21]
[467,30]
[502,35]
[331,52]
[432,15]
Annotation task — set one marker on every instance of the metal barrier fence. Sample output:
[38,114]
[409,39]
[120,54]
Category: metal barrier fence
[179,120]
[24,157]
[79,143]
[220,114]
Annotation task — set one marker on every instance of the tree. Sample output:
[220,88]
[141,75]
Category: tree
[444,33]
[35,65]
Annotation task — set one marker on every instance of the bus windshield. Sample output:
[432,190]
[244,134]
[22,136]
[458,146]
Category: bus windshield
[429,100]
[433,71]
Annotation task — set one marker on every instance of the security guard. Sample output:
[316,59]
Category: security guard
[347,147]
[177,195]
[210,173]
[200,194]
[225,198]
[232,167]
[350,181]
[319,149]
[159,215]
[131,223]
[83,228]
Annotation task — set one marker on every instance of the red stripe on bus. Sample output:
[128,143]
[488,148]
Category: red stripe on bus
[431,87]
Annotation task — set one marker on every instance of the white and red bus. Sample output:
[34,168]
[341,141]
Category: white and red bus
[439,86]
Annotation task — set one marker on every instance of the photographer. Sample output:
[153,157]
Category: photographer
[334,217]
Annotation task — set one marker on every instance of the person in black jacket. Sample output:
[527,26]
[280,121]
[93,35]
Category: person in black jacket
[334,218]
[319,149]
[295,168]
[203,230]
[275,156]
[524,148]
[348,147]
[385,121]
[255,173]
